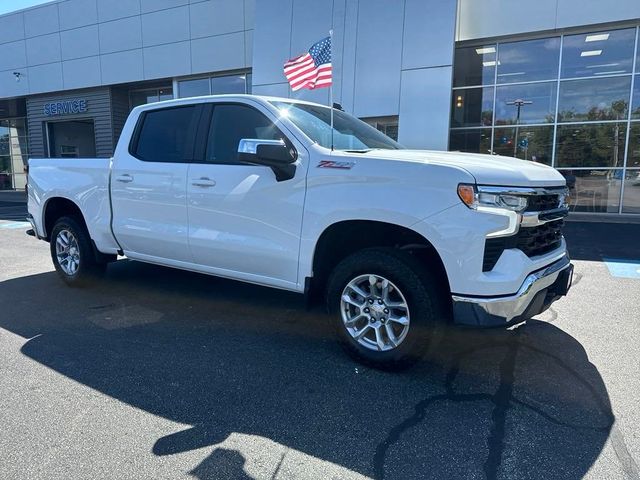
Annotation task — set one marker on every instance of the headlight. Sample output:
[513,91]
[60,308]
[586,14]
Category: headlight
[491,197]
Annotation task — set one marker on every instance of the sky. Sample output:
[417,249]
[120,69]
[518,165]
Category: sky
[7,6]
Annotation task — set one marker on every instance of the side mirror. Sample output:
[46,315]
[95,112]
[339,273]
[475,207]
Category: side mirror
[271,153]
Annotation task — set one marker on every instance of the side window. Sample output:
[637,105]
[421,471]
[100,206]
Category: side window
[232,123]
[166,135]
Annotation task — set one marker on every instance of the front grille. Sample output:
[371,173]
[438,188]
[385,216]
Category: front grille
[541,203]
[533,241]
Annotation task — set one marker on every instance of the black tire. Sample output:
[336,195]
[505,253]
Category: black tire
[88,269]
[419,290]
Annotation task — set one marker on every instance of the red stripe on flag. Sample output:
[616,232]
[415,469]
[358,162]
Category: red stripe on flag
[313,81]
[300,73]
[305,77]
[300,64]
[293,61]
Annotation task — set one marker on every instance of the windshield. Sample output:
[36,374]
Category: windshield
[349,133]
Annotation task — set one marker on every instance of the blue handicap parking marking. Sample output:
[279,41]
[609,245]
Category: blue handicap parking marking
[622,268]
[15,225]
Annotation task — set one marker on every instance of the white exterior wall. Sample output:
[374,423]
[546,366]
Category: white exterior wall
[494,18]
[72,44]
[390,57]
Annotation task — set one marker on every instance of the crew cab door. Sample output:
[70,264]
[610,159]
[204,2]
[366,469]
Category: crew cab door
[243,222]
[149,185]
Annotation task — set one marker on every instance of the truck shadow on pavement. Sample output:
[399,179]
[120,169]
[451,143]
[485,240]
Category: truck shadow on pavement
[240,361]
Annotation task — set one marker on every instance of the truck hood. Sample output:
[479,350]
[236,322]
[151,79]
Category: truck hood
[487,169]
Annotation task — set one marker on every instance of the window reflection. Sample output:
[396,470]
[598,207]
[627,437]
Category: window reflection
[590,145]
[13,153]
[538,106]
[228,84]
[472,107]
[194,88]
[165,94]
[635,105]
[5,173]
[151,95]
[474,66]
[631,197]
[594,99]
[528,60]
[526,143]
[598,53]
[477,140]
[596,191]
[633,157]
[587,113]
[387,125]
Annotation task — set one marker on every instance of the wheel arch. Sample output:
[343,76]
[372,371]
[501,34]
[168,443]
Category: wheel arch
[346,237]
[56,208]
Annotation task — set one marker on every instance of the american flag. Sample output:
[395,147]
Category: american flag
[311,70]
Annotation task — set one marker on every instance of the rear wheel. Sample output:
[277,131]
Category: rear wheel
[72,253]
[385,307]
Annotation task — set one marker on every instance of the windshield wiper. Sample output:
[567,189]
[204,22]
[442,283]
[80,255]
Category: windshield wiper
[364,150]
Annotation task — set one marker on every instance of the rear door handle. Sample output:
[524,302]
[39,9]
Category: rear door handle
[124,178]
[203,182]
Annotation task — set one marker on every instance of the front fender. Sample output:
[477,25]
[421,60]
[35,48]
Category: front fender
[398,193]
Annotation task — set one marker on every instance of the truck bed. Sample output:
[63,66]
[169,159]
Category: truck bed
[84,181]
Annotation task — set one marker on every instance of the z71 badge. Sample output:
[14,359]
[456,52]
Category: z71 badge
[334,164]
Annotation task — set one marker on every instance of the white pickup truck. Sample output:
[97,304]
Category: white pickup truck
[397,241]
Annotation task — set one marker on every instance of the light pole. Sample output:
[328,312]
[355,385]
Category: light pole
[518,103]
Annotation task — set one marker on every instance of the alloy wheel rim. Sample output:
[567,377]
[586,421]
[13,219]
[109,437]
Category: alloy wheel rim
[375,312]
[67,252]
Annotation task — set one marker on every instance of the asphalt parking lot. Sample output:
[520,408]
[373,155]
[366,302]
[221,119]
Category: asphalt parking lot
[156,373]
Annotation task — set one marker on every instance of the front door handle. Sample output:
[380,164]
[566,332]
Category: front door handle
[124,178]
[203,182]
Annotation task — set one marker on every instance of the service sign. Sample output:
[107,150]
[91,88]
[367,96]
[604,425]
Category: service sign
[65,107]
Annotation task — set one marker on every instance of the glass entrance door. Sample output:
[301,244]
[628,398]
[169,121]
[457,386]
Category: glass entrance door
[13,153]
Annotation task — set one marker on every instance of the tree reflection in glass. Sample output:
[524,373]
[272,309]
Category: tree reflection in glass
[529,143]
[595,145]
[594,99]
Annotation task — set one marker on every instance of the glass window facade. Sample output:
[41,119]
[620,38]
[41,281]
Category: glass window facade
[525,143]
[149,95]
[472,107]
[13,153]
[571,101]
[598,53]
[387,125]
[217,85]
[528,61]
[474,66]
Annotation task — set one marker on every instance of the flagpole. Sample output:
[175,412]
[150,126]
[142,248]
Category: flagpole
[331,87]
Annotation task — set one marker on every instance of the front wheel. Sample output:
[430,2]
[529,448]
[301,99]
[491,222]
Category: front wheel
[385,307]
[72,253]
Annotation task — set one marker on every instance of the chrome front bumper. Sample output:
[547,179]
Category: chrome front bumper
[538,291]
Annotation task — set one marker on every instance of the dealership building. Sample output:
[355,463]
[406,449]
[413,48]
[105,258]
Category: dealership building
[549,81]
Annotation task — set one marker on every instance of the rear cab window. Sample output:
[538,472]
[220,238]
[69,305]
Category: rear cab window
[166,135]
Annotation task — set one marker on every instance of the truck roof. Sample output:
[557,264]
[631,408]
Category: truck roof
[231,97]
